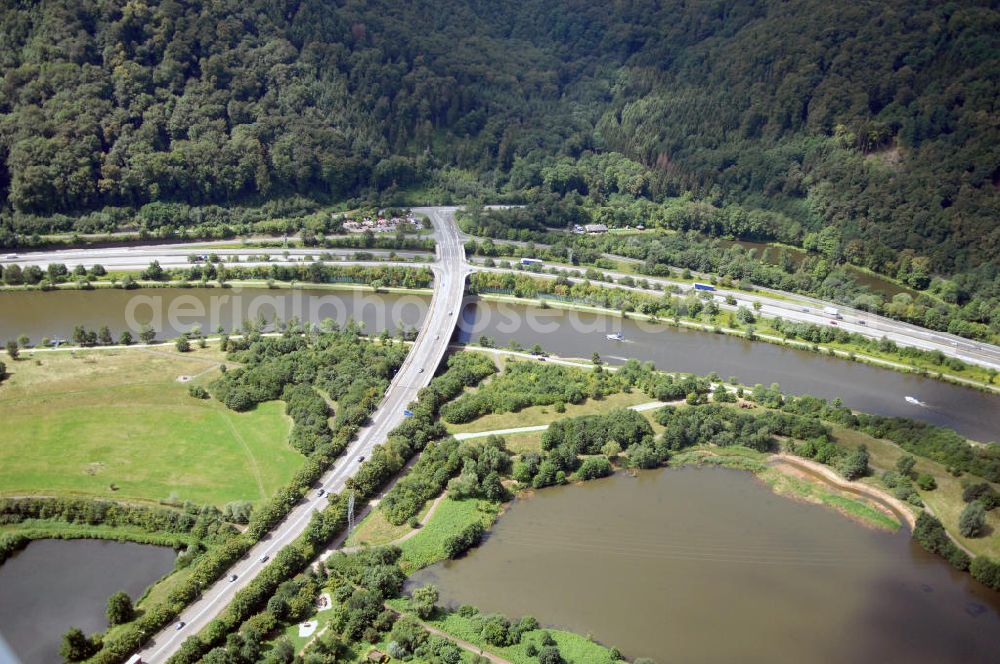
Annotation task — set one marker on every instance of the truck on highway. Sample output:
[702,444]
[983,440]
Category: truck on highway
[704,287]
[832,311]
[530,261]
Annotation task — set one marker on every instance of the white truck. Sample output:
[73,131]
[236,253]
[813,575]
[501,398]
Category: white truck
[832,311]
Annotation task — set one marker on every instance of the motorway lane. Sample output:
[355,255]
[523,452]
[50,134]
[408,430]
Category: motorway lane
[808,310]
[416,371]
[798,308]
[139,258]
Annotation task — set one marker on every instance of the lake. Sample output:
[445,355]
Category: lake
[53,585]
[708,565]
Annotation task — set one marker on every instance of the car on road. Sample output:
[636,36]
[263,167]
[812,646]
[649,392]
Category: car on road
[806,309]
[833,322]
[420,370]
[232,577]
[541,359]
[321,492]
[264,558]
[179,625]
[361,458]
[861,322]
[11,257]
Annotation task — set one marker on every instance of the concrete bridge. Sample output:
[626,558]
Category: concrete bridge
[429,348]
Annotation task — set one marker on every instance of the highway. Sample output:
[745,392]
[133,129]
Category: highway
[788,306]
[797,309]
[450,269]
[425,355]
[176,256]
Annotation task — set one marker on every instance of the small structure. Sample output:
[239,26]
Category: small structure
[377,656]
[380,224]
[593,229]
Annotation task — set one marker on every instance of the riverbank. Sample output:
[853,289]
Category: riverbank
[268,284]
[832,351]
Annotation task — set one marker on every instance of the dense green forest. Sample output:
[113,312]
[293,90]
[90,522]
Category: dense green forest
[864,130]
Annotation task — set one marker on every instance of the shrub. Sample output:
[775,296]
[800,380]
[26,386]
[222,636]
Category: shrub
[593,468]
[495,630]
[972,520]
[931,535]
[550,655]
[986,571]
[926,482]
[470,536]
[983,493]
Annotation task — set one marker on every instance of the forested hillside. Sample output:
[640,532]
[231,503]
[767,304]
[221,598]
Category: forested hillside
[874,122]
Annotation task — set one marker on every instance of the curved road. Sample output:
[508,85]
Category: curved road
[415,373]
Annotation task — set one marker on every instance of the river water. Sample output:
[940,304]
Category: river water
[880,391]
[566,333]
[708,565]
[53,585]
[171,311]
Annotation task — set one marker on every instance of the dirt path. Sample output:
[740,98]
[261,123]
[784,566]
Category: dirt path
[412,533]
[639,408]
[249,454]
[464,645]
[830,476]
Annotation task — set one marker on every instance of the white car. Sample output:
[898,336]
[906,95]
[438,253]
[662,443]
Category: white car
[179,625]
[264,558]
[11,257]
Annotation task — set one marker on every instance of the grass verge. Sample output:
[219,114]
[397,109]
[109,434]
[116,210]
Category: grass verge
[451,516]
[120,425]
[573,647]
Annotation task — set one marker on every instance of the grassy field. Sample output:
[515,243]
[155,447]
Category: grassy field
[375,529]
[945,501]
[451,516]
[118,424]
[573,647]
[536,415]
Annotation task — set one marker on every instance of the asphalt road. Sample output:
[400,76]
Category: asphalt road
[801,309]
[176,256]
[416,372]
[425,355]
[788,306]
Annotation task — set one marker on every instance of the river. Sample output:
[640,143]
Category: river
[53,585]
[868,388]
[708,565]
[171,311]
[567,333]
